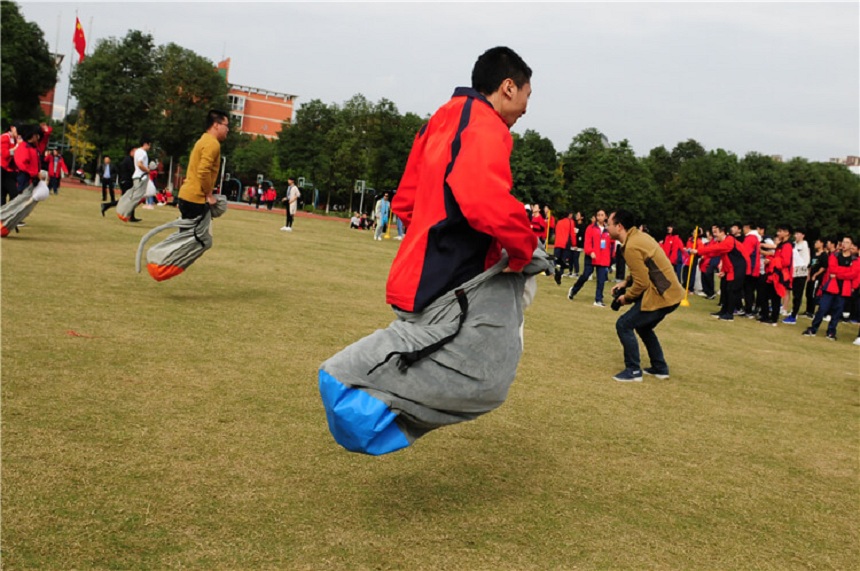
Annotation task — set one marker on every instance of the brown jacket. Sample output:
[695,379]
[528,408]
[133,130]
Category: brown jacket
[651,275]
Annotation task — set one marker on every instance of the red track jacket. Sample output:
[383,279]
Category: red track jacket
[778,268]
[565,234]
[455,201]
[847,272]
[730,256]
[597,240]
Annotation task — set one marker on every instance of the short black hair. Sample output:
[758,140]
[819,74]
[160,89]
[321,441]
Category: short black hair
[496,65]
[719,226]
[144,139]
[215,116]
[786,227]
[625,218]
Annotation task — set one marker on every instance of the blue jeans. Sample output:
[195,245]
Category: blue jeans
[602,274]
[829,305]
[643,323]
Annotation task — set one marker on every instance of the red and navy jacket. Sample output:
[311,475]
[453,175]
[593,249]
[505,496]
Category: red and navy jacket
[846,270]
[455,201]
[565,234]
[734,264]
[61,167]
[779,269]
[598,241]
[752,251]
[7,143]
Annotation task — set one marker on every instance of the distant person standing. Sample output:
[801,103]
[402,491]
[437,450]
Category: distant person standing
[599,248]
[197,191]
[381,211]
[124,174]
[56,170]
[292,200]
[140,179]
[107,174]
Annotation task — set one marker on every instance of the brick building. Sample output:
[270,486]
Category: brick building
[256,111]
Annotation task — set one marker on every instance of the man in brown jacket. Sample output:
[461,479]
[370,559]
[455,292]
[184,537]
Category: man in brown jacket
[654,290]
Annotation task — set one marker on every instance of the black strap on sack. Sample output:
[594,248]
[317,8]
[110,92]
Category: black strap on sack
[408,358]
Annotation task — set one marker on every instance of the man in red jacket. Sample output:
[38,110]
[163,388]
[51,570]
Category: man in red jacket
[56,169]
[565,241]
[454,198]
[778,274]
[839,280]
[27,156]
[733,267]
[599,249]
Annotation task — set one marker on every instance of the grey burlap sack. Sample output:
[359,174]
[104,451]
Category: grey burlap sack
[175,253]
[15,211]
[131,198]
[450,363]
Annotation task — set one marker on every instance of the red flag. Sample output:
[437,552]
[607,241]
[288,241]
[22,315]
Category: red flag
[79,40]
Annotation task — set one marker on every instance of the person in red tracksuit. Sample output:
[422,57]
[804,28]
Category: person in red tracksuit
[752,251]
[840,278]
[565,242]
[778,273]
[454,198]
[599,250]
[27,158]
[538,224]
[672,245]
[733,268]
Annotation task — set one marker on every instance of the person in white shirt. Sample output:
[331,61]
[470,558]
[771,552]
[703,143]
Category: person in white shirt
[292,200]
[800,263]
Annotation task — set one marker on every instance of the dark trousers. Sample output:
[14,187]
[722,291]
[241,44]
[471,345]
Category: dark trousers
[797,285]
[772,304]
[750,286]
[811,298]
[563,259]
[643,323]
[54,184]
[191,210]
[289,218]
[10,185]
[602,273]
[830,305]
[575,259]
[731,294]
[760,296]
[107,185]
[708,282]
[689,275]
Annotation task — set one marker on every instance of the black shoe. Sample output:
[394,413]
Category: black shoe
[717,314]
[558,277]
[104,208]
[134,219]
[808,332]
[570,293]
[831,337]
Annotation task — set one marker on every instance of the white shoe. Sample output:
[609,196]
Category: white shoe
[289,228]
[284,229]
[857,341]
[826,318]
[399,238]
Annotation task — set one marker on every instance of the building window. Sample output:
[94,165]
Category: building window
[236,121]
[237,103]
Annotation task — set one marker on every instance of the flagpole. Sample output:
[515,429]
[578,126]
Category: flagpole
[68,95]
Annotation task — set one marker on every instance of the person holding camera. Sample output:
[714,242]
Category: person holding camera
[653,289]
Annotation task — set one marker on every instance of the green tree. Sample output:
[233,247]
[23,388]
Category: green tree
[188,86]
[534,167]
[118,87]
[27,68]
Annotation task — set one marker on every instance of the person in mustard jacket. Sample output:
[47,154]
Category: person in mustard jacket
[653,289]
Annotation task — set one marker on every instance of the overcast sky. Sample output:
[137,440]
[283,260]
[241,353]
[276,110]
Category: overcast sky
[775,78]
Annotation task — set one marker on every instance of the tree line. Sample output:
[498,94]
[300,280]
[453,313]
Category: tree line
[128,87]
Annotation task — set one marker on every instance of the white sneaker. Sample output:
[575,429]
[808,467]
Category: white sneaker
[826,318]
[857,341]
[399,238]
[284,229]
[289,228]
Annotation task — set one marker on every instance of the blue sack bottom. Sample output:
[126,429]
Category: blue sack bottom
[358,421]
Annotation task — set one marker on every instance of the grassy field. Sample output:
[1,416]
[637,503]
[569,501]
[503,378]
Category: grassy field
[178,425]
